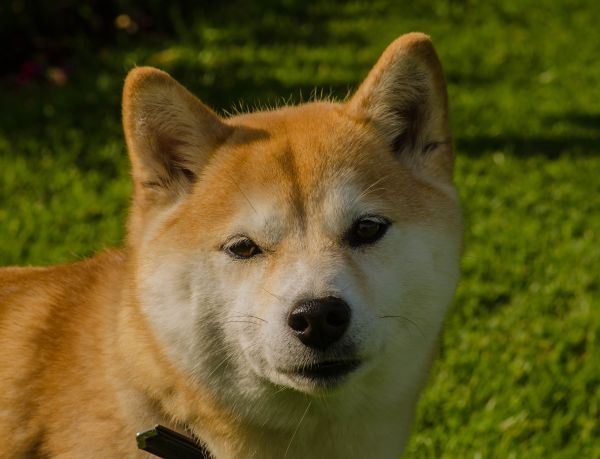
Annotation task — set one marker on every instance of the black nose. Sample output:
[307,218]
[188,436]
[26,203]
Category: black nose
[320,323]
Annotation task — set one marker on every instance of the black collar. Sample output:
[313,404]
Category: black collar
[165,443]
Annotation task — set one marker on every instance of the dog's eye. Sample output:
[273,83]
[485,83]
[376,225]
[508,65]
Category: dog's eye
[367,230]
[243,248]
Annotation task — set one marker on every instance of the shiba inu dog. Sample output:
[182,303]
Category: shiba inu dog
[283,285]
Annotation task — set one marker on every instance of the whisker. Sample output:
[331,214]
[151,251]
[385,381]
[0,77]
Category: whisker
[242,191]
[249,315]
[407,319]
[273,295]
[218,366]
[278,391]
[259,318]
[240,322]
[370,189]
[297,428]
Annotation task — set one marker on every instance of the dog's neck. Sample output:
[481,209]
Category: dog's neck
[150,388]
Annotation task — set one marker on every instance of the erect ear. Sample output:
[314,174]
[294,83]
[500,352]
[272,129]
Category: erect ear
[404,98]
[170,135]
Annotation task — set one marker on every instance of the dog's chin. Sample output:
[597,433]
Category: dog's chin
[318,377]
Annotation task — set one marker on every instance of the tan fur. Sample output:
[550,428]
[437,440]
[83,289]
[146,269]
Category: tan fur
[82,369]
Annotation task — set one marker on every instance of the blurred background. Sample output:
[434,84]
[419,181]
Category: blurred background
[518,373]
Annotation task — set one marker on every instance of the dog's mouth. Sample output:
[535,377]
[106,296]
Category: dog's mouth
[325,374]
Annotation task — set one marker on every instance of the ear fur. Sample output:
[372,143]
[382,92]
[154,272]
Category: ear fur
[404,97]
[170,134]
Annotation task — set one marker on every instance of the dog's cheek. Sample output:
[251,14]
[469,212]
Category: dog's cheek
[419,282]
[241,314]
[169,293]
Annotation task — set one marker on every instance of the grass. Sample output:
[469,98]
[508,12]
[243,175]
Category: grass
[518,373]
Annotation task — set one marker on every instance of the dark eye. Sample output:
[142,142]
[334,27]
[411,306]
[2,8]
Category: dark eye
[243,248]
[367,230]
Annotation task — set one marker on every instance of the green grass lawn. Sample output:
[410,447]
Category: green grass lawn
[519,369]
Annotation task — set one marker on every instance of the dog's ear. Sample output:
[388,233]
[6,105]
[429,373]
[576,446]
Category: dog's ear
[170,135]
[404,98]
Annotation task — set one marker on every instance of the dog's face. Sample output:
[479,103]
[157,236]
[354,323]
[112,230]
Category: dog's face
[313,248]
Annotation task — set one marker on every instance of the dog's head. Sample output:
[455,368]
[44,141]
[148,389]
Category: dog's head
[313,247]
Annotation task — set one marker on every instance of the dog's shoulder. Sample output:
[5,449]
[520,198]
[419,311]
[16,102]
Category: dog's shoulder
[41,308]
[45,316]
[38,305]
[33,290]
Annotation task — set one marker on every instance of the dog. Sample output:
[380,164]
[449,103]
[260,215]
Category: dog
[281,290]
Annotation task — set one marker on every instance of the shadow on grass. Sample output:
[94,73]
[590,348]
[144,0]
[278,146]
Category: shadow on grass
[535,145]
[551,147]
[89,102]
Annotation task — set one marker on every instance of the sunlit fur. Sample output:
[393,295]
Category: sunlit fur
[172,329]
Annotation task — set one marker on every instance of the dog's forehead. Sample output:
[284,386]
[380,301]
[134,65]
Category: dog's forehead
[306,153]
[302,168]
[285,169]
